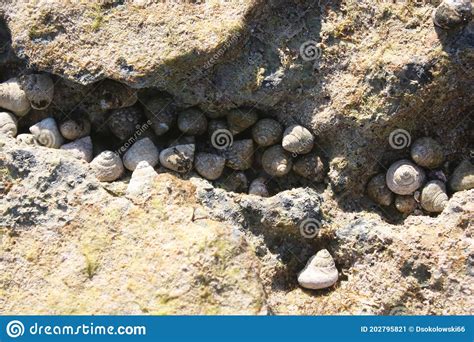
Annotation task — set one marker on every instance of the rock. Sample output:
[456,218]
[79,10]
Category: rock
[75,129]
[235,181]
[107,166]
[142,150]
[452,13]
[8,124]
[80,148]
[378,191]
[239,120]
[297,139]
[39,89]
[141,182]
[192,122]
[320,272]
[114,95]
[311,167]
[462,177]
[178,158]
[47,134]
[239,156]
[160,112]
[209,165]
[13,98]
[27,139]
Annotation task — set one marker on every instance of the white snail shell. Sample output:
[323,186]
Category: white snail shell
[8,124]
[267,132]
[107,166]
[258,187]
[178,158]
[209,165]
[462,177]
[141,182]
[13,98]
[320,272]
[433,196]
[276,161]
[239,156]
[404,178]
[142,150]
[378,190]
[297,139]
[39,89]
[47,134]
[427,152]
[81,148]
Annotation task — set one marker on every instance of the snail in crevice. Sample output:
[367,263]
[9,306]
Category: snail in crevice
[161,113]
[107,166]
[404,178]
[192,122]
[297,139]
[47,134]
[320,272]
[427,152]
[433,197]
[209,165]
[73,129]
[8,124]
[462,177]
[13,98]
[378,190]
[178,158]
[258,187]
[123,122]
[405,204]
[276,161]
[239,156]
[241,119]
[267,132]
[311,167]
[142,150]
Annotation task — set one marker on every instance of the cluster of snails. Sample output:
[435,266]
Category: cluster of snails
[420,185]
[233,146]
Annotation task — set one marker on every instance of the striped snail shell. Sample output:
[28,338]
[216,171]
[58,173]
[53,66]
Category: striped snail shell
[8,124]
[378,190]
[107,166]
[75,129]
[276,161]
[209,165]
[433,196]
[404,178]
[320,272]
[239,156]
[39,89]
[241,119]
[267,132]
[13,98]
[297,139]
[258,187]
[427,152]
[47,134]
[192,122]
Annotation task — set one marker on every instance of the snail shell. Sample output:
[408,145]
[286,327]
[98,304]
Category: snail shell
[404,178]
[427,152]
[297,139]
[320,272]
[433,196]
[13,98]
[178,158]
[107,166]
[462,177]
[123,122]
[47,134]
[209,165]
[378,191]
[215,125]
[142,150]
[8,124]
[39,89]
[267,132]
[236,181]
[276,161]
[258,187]
[241,119]
[239,156]
[405,204]
[26,139]
[311,167]
[161,113]
[114,95]
[141,182]
[81,148]
[75,129]
[192,122]
[452,13]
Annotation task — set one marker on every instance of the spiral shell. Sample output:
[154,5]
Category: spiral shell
[13,98]
[239,156]
[141,183]
[39,89]
[267,132]
[107,166]
[75,129]
[8,124]
[142,150]
[209,165]
[80,148]
[320,272]
[462,177]
[276,161]
[241,119]
[192,122]
[433,197]
[297,139]
[26,139]
[161,113]
[378,191]
[258,187]
[452,13]
[178,158]
[114,95]
[47,134]
[427,152]
[404,178]
[310,167]
[405,204]
[123,122]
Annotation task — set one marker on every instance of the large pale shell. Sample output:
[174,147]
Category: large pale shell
[427,152]
[142,150]
[452,13]
[161,113]
[47,134]
[39,89]
[8,124]
[320,272]
[404,178]
[258,187]
[178,158]
[433,196]
[114,95]
[267,132]
[141,182]
[405,204]
[107,166]
[80,148]
[123,122]
[241,119]
[27,139]
[276,161]
[378,190]
[209,165]
[311,167]
[297,139]
[462,177]
[75,129]
[192,122]
[239,156]
[13,98]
